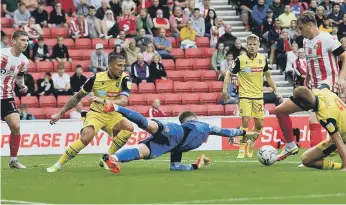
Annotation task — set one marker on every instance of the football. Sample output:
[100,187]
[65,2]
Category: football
[267,155]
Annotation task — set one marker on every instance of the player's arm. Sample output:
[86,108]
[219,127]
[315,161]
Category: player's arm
[233,70]
[19,79]
[231,133]
[125,92]
[339,51]
[269,78]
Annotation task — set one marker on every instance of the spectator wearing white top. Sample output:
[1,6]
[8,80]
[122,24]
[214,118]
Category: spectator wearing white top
[292,56]
[61,82]
[98,59]
[226,65]
[21,16]
[78,113]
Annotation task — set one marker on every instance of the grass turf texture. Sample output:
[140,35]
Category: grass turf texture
[226,180]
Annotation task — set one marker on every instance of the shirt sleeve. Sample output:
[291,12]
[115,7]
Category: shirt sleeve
[236,66]
[334,46]
[330,125]
[266,68]
[88,85]
[126,86]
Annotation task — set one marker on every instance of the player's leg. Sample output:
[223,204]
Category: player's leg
[245,106]
[258,115]
[121,132]
[315,130]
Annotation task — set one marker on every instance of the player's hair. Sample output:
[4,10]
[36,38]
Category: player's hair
[113,56]
[304,96]
[19,33]
[252,37]
[307,17]
[183,115]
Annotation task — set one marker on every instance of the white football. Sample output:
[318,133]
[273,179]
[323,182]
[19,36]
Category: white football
[267,155]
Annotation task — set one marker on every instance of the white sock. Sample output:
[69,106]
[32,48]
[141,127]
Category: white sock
[291,145]
[14,159]
[58,165]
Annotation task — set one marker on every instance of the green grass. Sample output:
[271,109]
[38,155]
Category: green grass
[225,181]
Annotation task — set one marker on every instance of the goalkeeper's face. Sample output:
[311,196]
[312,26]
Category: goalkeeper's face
[252,46]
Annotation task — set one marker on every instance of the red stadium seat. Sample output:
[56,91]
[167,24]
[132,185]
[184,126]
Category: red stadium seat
[270,108]
[47,101]
[215,86]
[164,87]
[202,64]
[83,43]
[8,31]
[207,52]
[44,66]
[191,75]
[17,101]
[151,97]
[31,66]
[86,54]
[215,110]
[182,87]
[62,100]
[134,88]
[202,42]
[172,98]
[76,55]
[206,98]
[176,109]
[168,64]
[146,88]
[143,110]
[231,109]
[167,109]
[84,64]
[103,41]
[209,75]
[84,101]
[39,113]
[111,42]
[51,42]
[137,99]
[29,101]
[5,23]
[177,52]
[88,74]
[175,75]
[57,32]
[69,43]
[184,64]
[37,76]
[67,66]
[46,33]
[190,98]
[51,111]
[173,41]
[193,53]
[199,87]
[199,110]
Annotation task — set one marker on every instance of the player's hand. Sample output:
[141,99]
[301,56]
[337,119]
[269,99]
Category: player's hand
[24,89]
[55,118]
[224,96]
[207,161]
[281,100]
[251,136]
[96,100]
[341,84]
[108,106]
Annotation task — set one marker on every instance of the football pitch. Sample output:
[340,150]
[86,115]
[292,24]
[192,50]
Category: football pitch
[227,180]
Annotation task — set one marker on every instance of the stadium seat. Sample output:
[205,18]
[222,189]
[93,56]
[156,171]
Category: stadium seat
[83,43]
[202,42]
[86,54]
[108,51]
[193,53]
[69,43]
[134,88]
[62,100]
[8,31]
[17,101]
[47,101]
[175,75]
[30,101]
[37,76]
[51,111]
[67,66]
[173,42]
[31,66]
[231,109]
[137,99]
[5,23]
[207,52]
[55,32]
[202,64]
[51,42]
[172,98]
[177,52]
[164,87]
[152,96]
[167,109]
[190,98]
[88,74]
[270,108]
[39,113]
[161,80]
[76,55]
[46,33]
[184,64]
[84,101]
[199,87]
[191,75]
[215,86]
[44,66]
[182,87]
[168,64]
[85,64]
[209,75]
[146,88]
[103,41]
[199,109]
[215,110]
[176,109]
[143,110]
[206,98]
[111,42]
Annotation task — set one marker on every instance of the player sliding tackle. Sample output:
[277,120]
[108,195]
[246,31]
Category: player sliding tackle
[167,137]
[331,114]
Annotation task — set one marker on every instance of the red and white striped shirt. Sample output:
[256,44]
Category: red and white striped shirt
[322,63]
[152,112]
[10,67]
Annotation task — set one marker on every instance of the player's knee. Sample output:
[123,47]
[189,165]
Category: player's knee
[15,129]
[245,121]
[306,160]
[88,134]
[127,125]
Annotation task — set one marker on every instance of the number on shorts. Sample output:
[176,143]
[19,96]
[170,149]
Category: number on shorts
[261,109]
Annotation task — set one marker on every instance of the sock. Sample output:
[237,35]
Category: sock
[128,155]
[290,145]
[285,123]
[331,165]
[70,152]
[119,141]
[241,138]
[134,116]
[14,146]
[176,166]
[315,134]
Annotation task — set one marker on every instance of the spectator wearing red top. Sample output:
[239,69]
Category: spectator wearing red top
[34,30]
[300,68]
[283,46]
[160,22]
[154,110]
[127,22]
[78,27]
[178,20]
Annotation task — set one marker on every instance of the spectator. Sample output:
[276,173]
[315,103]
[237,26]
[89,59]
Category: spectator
[209,22]
[41,15]
[142,40]
[81,7]
[259,13]
[300,68]
[149,53]
[60,52]
[160,22]
[268,24]
[109,26]
[118,50]
[206,7]
[152,10]
[156,69]
[100,13]
[128,4]
[9,7]
[127,22]
[236,49]
[313,6]
[68,6]
[342,28]
[336,16]
[246,10]
[115,7]
[154,111]
[78,79]
[198,23]
[320,11]
[31,5]
[216,31]
[145,22]
[30,83]
[120,38]
[227,39]
[328,6]
[218,56]
[326,26]
[78,27]
[226,65]
[4,41]
[93,24]
[178,21]
[140,71]
[181,3]
[57,17]
[34,30]
[163,45]
[131,52]
[283,46]
[188,36]
[273,36]
[78,113]
[61,82]
[292,56]
[95,3]
[24,114]
[296,8]
[40,51]
[335,30]
[287,17]
[299,39]
[343,7]
[277,8]
[98,59]
[21,16]
[232,92]
[45,86]
[292,32]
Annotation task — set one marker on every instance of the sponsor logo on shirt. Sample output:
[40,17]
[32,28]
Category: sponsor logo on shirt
[112,94]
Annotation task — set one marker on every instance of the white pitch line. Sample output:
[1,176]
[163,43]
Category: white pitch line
[262,198]
[19,202]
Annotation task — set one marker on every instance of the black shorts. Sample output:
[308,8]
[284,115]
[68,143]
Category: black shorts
[8,106]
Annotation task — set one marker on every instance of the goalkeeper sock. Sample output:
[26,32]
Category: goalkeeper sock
[119,141]
[331,165]
[242,145]
[176,166]
[70,152]
[133,116]
[128,155]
